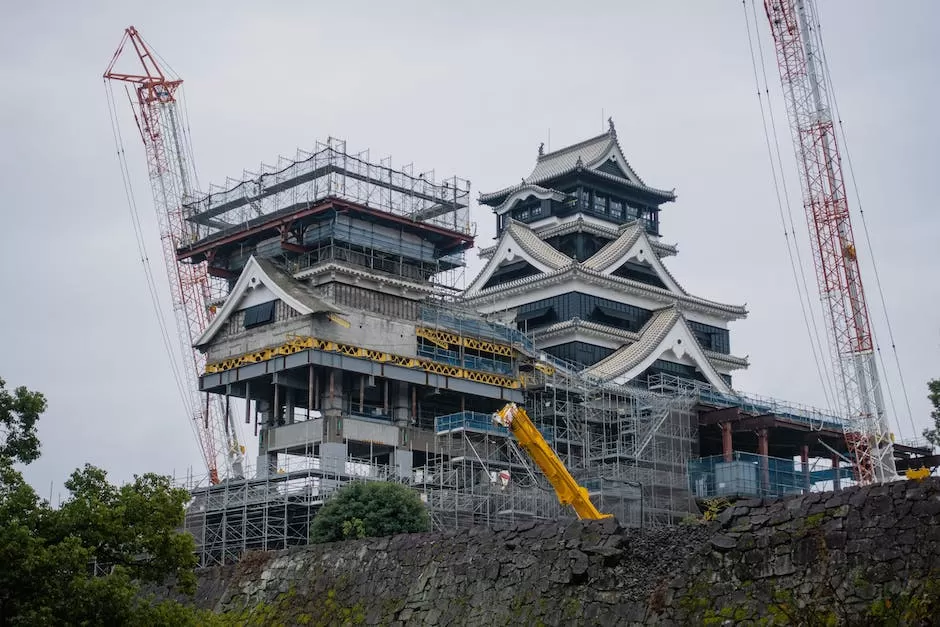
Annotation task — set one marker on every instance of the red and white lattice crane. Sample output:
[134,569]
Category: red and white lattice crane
[171,173]
[800,59]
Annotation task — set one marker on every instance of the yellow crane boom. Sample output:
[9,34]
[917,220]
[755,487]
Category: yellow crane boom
[569,492]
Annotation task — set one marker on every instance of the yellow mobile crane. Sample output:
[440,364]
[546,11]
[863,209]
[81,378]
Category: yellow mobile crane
[569,492]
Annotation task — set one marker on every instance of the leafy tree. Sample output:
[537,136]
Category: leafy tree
[369,509]
[19,413]
[84,563]
[933,435]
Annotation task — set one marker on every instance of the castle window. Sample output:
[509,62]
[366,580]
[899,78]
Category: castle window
[600,204]
[616,208]
[259,314]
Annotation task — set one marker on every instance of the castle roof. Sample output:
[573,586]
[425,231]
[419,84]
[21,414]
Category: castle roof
[666,331]
[589,154]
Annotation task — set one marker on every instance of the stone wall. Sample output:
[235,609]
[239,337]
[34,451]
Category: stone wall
[858,556]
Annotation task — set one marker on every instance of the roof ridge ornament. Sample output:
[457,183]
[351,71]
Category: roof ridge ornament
[580,162]
[612,130]
[542,149]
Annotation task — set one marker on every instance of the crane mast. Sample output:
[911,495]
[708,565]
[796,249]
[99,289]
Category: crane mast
[170,168]
[799,57]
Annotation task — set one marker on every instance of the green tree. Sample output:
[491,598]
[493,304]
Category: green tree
[84,563]
[19,413]
[369,509]
[933,435]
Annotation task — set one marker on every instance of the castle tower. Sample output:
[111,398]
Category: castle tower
[578,265]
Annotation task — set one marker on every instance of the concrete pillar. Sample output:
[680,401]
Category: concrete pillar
[264,414]
[385,398]
[763,447]
[333,406]
[836,480]
[311,386]
[727,446]
[362,393]
[247,402]
[288,418]
[401,410]
[333,395]
[804,461]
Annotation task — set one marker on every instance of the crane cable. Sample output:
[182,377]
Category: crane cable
[238,431]
[826,377]
[871,251]
[155,300]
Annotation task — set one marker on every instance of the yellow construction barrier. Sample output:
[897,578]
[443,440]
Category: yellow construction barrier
[300,343]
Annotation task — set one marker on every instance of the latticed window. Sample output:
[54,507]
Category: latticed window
[616,208]
[600,204]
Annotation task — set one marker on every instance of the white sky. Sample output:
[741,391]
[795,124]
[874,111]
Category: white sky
[469,90]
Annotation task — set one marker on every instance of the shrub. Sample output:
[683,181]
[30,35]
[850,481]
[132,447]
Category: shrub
[369,509]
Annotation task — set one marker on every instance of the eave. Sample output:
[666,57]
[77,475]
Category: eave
[527,284]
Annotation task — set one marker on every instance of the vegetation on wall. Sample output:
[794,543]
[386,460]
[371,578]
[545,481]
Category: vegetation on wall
[933,393]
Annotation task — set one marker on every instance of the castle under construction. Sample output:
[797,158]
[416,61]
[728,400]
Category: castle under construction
[343,338]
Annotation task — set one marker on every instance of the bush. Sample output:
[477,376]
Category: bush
[369,509]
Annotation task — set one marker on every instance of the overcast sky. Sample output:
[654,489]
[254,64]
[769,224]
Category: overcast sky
[469,90]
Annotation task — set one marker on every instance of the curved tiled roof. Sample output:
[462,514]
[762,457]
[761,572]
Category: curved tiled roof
[533,245]
[615,249]
[602,330]
[651,336]
[580,225]
[576,324]
[587,154]
[525,190]
[658,293]
[562,161]
[728,360]
[627,361]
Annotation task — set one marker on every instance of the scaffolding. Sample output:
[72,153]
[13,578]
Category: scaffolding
[250,216]
[330,171]
[629,445]
[272,512]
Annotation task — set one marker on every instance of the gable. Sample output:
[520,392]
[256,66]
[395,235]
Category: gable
[641,272]
[610,167]
[580,246]
[261,282]
[511,271]
[518,243]
[632,256]
[667,333]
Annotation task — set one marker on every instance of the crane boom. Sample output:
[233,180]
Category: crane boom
[799,57]
[171,177]
[568,490]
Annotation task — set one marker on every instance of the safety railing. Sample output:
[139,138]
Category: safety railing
[755,404]
[478,421]
[749,474]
